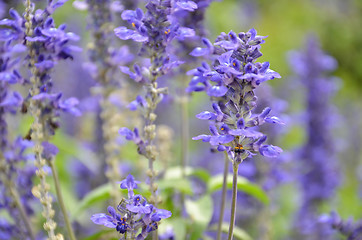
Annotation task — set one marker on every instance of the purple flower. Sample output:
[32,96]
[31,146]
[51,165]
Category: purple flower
[136,76]
[217,91]
[232,79]
[49,150]
[270,151]
[131,135]
[186,5]
[215,139]
[11,102]
[160,214]
[129,183]
[69,105]
[113,221]
[133,215]
[318,174]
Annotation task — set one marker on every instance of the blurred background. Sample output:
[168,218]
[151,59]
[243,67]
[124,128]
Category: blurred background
[334,26]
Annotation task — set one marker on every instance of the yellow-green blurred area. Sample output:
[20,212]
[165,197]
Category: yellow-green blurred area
[287,23]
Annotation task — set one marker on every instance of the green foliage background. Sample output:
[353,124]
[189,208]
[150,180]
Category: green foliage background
[287,23]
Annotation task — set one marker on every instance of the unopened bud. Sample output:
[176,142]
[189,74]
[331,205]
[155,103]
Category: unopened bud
[35,191]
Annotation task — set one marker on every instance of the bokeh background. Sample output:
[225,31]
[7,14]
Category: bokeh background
[335,23]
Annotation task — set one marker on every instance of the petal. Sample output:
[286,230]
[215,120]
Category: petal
[103,219]
[223,139]
[270,151]
[49,150]
[184,32]
[197,52]
[274,119]
[217,91]
[225,57]
[252,33]
[206,115]
[265,112]
[123,33]
[8,77]
[240,123]
[187,5]
[203,137]
[128,15]
[127,133]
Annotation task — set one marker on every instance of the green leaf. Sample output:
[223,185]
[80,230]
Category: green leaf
[182,185]
[239,233]
[176,172]
[99,194]
[178,225]
[102,194]
[244,185]
[200,212]
[71,147]
[99,234]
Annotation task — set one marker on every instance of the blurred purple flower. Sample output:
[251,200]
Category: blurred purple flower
[318,174]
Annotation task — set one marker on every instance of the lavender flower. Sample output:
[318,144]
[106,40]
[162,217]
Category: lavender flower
[230,83]
[15,187]
[319,175]
[134,214]
[155,29]
[16,174]
[46,45]
[352,230]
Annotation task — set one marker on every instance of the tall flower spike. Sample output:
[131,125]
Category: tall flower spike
[230,83]
[154,30]
[46,45]
[319,168]
[15,174]
[104,59]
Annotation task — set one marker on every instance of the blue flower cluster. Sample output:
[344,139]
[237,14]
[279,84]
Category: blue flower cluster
[49,44]
[230,82]
[35,34]
[155,30]
[349,228]
[135,215]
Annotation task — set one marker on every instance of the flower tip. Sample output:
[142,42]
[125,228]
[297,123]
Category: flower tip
[270,151]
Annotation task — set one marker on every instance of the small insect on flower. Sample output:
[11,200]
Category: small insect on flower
[28,135]
[238,148]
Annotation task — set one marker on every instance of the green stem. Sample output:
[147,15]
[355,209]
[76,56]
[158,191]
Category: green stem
[15,196]
[22,212]
[234,199]
[184,140]
[60,200]
[155,235]
[223,196]
[184,133]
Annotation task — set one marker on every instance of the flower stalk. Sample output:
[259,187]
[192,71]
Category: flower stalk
[223,196]
[234,200]
[40,191]
[230,82]
[15,197]
[60,200]
[46,45]
[155,29]
[103,57]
